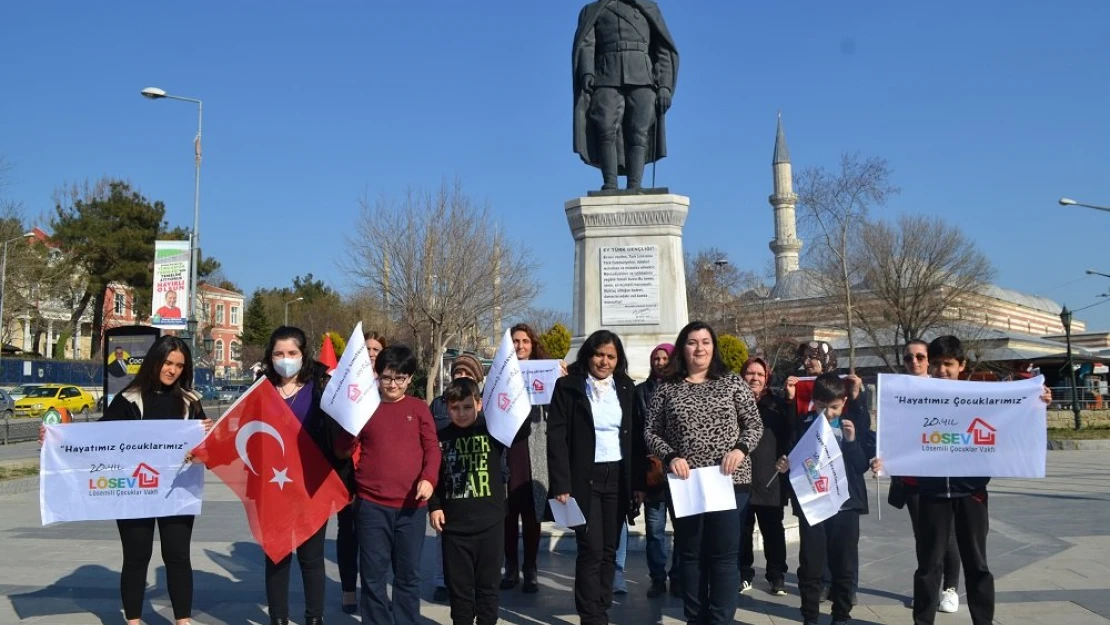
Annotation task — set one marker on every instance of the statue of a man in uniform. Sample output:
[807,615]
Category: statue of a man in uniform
[625,68]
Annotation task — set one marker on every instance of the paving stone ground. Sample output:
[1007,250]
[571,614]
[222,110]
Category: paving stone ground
[1049,548]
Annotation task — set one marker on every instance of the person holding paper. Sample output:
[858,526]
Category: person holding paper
[300,380]
[590,457]
[528,475]
[769,493]
[904,492]
[397,471]
[833,542]
[162,389]
[705,416]
[468,507]
[953,504]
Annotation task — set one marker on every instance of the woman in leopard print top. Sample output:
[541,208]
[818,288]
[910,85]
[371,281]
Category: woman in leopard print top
[705,416]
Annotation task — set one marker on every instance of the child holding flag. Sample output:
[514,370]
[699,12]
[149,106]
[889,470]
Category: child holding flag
[835,540]
[468,507]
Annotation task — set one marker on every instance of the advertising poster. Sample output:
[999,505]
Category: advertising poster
[124,349]
[171,285]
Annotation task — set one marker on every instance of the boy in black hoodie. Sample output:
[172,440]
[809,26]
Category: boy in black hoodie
[468,507]
[834,541]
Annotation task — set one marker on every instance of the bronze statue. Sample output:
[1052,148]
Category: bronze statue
[625,67]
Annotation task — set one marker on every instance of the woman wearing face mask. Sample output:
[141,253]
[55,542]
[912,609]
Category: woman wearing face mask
[300,381]
[590,457]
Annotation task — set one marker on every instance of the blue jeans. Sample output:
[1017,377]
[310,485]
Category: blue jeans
[622,548]
[390,538]
[709,550]
[655,520]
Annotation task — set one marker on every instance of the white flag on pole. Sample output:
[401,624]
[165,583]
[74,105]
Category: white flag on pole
[351,396]
[505,400]
[817,472]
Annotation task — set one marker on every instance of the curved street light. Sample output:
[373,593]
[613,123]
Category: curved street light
[299,299]
[1067,201]
[155,93]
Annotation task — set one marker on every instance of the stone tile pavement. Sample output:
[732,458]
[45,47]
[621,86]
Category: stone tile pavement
[1049,548]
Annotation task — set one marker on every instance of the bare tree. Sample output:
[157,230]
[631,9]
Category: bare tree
[832,205]
[441,266]
[713,286]
[543,319]
[918,270]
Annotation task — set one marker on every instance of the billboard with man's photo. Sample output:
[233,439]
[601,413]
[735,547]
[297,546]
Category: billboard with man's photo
[124,350]
[171,285]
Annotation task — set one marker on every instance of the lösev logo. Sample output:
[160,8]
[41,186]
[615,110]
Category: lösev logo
[978,434]
[145,477]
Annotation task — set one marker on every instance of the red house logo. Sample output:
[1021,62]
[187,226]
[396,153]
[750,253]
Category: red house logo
[982,432]
[353,392]
[147,475]
[821,484]
[503,401]
[537,385]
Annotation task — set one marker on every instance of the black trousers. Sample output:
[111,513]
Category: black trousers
[833,542]
[346,548]
[472,573]
[936,519]
[951,552]
[596,563]
[137,537]
[520,505]
[774,542]
[310,557]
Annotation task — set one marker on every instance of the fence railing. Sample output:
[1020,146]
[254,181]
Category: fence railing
[27,428]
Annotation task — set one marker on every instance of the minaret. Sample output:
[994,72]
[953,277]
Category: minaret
[786,243]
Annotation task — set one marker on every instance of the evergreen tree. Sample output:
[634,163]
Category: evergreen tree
[734,352]
[257,326]
[556,341]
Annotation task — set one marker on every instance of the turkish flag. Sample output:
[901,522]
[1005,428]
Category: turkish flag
[327,354]
[288,487]
[803,395]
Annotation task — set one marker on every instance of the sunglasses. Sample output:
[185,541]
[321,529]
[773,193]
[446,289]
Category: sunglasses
[913,357]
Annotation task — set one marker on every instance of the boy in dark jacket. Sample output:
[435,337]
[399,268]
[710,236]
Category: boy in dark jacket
[468,507]
[834,541]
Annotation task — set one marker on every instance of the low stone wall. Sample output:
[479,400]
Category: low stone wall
[1065,418]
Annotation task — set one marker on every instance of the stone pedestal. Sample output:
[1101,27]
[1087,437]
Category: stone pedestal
[629,275]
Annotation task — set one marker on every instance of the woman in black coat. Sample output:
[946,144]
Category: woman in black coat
[590,458]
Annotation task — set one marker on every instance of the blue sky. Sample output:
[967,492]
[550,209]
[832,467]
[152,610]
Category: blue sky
[988,112]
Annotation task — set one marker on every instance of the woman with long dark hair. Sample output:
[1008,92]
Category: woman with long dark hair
[527,463]
[705,416]
[162,389]
[299,379]
[590,458]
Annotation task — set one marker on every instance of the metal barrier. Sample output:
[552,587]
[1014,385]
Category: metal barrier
[1088,399]
[27,429]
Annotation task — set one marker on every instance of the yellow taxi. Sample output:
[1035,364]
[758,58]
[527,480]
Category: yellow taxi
[74,399]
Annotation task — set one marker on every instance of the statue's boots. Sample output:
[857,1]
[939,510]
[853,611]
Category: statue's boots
[609,165]
[635,166]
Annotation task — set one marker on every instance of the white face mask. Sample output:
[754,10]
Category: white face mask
[287,367]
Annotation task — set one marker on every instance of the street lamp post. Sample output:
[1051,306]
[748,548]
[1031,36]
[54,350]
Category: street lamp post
[299,299]
[1065,318]
[1067,201]
[155,93]
[4,285]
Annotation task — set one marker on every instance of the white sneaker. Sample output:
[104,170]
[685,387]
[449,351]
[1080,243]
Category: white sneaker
[949,600]
[745,586]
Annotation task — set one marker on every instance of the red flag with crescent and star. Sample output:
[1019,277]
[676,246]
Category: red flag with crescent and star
[288,487]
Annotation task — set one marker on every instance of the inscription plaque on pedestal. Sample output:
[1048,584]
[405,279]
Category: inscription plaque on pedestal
[630,285]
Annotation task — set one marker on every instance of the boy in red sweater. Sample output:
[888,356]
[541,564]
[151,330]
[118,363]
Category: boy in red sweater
[396,474]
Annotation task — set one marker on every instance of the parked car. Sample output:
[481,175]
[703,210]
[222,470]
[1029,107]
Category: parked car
[232,392]
[20,392]
[7,405]
[41,399]
[207,393]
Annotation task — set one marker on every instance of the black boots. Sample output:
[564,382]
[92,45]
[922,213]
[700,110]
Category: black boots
[531,582]
[510,580]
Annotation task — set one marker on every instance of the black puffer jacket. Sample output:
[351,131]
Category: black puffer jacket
[767,489]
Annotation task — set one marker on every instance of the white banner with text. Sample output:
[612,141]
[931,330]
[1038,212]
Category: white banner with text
[956,428]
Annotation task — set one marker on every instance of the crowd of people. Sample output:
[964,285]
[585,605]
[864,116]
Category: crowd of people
[608,443]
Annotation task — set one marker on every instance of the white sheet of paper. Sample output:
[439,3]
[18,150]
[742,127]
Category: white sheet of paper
[567,515]
[706,490]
